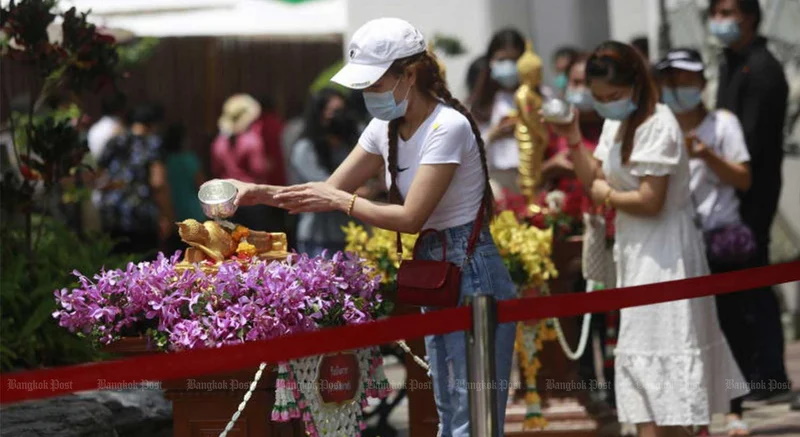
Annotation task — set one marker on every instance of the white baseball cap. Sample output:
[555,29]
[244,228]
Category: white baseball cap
[374,47]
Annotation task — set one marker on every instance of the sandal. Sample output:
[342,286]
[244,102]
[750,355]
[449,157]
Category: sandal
[702,431]
[737,427]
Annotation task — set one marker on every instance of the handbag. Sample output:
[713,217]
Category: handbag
[597,258]
[433,283]
[730,244]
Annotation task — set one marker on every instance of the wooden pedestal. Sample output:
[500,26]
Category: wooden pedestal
[201,407]
[423,419]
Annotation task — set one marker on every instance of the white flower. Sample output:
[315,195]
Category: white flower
[555,200]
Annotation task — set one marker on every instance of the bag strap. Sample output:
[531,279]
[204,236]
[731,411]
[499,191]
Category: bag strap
[696,218]
[397,197]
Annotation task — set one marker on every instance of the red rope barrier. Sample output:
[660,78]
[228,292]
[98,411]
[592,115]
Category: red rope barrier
[609,300]
[42,383]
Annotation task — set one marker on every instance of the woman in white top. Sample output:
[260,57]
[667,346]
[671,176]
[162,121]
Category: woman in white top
[434,156]
[492,104]
[673,365]
[718,167]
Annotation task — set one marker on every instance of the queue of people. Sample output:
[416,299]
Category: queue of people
[683,179]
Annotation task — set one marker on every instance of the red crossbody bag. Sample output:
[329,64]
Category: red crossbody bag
[433,283]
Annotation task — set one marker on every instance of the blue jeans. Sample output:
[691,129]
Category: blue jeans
[447,354]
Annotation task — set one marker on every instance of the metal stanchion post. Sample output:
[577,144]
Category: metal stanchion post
[480,367]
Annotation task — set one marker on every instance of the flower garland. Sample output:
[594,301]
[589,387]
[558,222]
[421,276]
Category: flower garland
[526,251]
[296,396]
[528,344]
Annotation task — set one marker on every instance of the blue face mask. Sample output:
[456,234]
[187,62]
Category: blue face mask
[616,110]
[581,98]
[727,30]
[383,106]
[682,99]
[505,73]
[561,81]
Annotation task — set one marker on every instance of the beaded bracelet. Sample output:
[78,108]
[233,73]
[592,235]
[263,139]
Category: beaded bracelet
[352,203]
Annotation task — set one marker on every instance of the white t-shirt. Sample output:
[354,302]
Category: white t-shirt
[100,133]
[716,202]
[445,137]
[502,153]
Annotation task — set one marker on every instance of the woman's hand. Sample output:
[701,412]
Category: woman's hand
[248,194]
[503,129]
[599,191]
[695,147]
[312,197]
[570,131]
[562,163]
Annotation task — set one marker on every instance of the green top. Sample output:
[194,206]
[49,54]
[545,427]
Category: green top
[182,167]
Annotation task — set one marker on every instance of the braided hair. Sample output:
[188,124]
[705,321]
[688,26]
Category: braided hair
[429,79]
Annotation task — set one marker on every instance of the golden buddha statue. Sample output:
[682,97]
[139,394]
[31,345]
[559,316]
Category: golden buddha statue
[530,132]
[213,242]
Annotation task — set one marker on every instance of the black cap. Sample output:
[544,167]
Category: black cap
[682,59]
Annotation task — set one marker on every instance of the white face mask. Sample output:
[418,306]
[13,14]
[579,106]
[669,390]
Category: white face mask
[383,106]
[505,73]
[580,97]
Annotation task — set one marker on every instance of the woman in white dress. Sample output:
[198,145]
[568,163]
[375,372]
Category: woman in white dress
[673,367]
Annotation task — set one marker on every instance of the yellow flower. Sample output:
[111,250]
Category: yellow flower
[379,248]
[245,249]
[529,246]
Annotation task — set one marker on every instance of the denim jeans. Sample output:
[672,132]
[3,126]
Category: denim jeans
[447,354]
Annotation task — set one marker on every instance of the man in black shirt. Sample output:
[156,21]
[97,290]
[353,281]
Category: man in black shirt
[752,85]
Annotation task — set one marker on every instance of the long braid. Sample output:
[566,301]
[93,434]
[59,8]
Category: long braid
[394,191]
[439,89]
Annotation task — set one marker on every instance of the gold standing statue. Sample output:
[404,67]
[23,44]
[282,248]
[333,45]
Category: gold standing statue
[530,132]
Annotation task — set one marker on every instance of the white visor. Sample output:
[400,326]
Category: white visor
[360,76]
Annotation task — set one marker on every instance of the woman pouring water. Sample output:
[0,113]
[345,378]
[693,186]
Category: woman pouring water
[435,165]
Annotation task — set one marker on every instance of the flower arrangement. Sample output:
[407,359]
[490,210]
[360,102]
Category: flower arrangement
[379,248]
[182,309]
[525,250]
[561,208]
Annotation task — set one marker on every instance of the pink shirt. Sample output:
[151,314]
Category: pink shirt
[245,160]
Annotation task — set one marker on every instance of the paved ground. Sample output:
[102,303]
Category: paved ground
[774,418]
[765,419]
